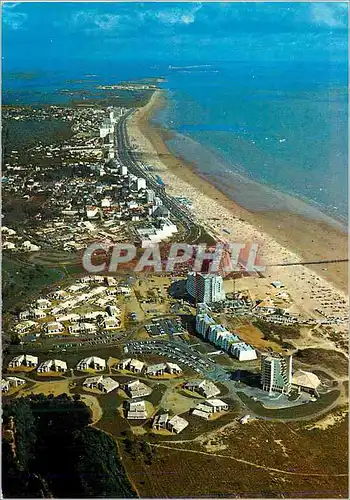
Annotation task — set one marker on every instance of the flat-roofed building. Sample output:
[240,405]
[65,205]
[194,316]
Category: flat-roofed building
[136,410]
[177,424]
[205,388]
[160,421]
[103,384]
[137,389]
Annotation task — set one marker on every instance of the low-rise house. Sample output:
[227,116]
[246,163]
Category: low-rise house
[136,410]
[93,363]
[38,314]
[137,389]
[160,421]
[205,388]
[209,407]
[132,365]
[156,370]
[163,368]
[111,323]
[306,381]
[73,317]
[82,328]
[103,384]
[24,326]
[94,315]
[53,328]
[8,382]
[5,385]
[177,424]
[25,314]
[60,295]
[52,365]
[43,304]
[24,360]
[113,310]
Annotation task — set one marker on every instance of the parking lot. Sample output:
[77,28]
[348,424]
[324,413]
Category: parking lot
[181,354]
[170,326]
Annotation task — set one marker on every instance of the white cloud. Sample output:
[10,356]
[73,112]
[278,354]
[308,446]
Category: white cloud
[14,20]
[331,15]
[178,16]
[91,20]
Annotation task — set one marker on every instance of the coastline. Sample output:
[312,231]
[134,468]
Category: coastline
[283,236]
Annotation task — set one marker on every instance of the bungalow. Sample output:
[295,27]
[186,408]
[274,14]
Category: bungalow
[136,410]
[5,385]
[38,313]
[173,368]
[137,389]
[15,381]
[111,323]
[43,303]
[92,362]
[156,370]
[124,290]
[132,365]
[205,388]
[160,421]
[24,326]
[103,384]
[177,424]
[52,365]
[162,368]
[68,317]
[82,328]
[94,315]
[209,407]
[53,328]
[60,295]
[23,360]
[25,314]
[113,310]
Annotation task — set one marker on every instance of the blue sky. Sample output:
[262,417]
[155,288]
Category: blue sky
[59,34]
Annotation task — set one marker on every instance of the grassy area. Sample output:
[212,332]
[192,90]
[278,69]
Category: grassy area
[335,361]
[286,446]
[277,333]
[22,280]
[304,410]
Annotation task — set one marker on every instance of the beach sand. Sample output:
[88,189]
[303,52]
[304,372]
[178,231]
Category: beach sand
[282,237]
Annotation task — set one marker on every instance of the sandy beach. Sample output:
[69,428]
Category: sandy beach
[282,237]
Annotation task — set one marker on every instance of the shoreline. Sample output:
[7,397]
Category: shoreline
[321,240]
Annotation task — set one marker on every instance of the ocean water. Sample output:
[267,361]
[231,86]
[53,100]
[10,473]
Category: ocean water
[273,136]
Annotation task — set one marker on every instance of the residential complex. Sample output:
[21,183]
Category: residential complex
[276,373]
[205,287]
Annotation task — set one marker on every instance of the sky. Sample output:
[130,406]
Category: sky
[58,34]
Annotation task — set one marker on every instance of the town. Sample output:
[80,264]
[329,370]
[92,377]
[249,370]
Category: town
[155,352]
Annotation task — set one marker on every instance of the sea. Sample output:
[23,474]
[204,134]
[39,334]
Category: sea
[272,136]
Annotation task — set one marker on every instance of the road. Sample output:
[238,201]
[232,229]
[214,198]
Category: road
[127,157]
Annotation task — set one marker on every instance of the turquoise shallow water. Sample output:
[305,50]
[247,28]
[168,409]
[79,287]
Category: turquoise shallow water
[280,126]
[272,135]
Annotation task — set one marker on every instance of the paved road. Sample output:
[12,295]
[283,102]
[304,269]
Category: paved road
[127,157]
